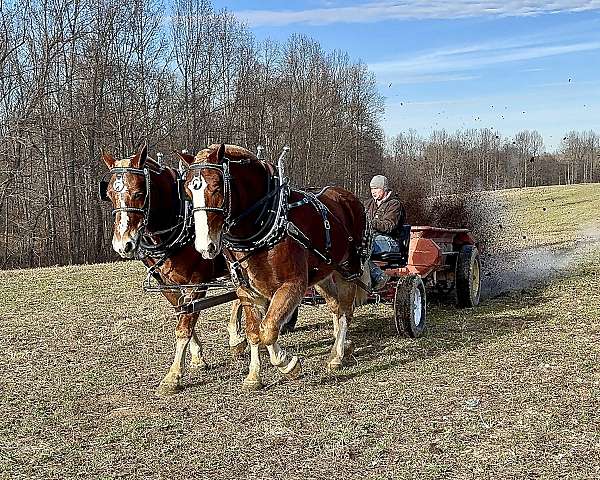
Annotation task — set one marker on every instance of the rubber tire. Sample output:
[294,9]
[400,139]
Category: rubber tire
[290,325]
[468,277]
[404,311]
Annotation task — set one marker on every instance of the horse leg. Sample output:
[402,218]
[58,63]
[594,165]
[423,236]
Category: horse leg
[237,341]
[328,290]
[252,380]
[341,302]
[283,303]
[197,362]
[171,384]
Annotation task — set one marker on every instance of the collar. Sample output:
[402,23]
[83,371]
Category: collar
[379,202]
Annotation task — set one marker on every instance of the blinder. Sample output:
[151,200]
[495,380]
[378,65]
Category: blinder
[103,190]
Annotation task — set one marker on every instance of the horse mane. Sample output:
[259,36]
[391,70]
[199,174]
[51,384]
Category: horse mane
[150,162]
[234,152]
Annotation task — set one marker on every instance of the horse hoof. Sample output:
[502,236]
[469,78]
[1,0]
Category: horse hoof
[295,372]
[334,365]
[251,385]
[199,366]
[239,349]
[168,389]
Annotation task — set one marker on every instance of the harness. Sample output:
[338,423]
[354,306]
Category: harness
[273,220]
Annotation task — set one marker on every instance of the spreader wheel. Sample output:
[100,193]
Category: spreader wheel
[468,277]
[290,325]
[410,306]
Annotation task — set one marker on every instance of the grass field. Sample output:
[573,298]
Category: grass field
[510,389]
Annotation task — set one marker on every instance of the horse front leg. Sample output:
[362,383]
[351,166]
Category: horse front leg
[171,383]
[252,380]
[283,303]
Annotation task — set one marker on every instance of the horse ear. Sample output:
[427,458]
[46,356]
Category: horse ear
[186,157]
[221,153]
[139,160]
[109,160]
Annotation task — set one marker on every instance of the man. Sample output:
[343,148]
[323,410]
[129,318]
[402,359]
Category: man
[386,214]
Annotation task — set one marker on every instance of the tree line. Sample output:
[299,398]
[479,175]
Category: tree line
[80,76]
[77,77]
[483,159]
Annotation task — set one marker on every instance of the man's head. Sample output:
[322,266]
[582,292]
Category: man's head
[379,187]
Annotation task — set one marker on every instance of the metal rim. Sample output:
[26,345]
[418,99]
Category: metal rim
[475,279]
[417,307]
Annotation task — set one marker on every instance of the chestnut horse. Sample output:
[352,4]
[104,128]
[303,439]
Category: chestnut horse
[150,224]
[278,242]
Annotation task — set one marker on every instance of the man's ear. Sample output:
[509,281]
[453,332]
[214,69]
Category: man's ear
[108,160]
[139,160]
[186,157]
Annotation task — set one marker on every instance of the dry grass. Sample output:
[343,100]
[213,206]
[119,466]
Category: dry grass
[507,390]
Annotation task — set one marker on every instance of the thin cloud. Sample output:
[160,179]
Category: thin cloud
[432,78]
[473,58]
[370,12]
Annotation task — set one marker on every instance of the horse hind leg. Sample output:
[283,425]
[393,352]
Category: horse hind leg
[341,305]
[197,362]
[237,340]
[328,290]
[253,317]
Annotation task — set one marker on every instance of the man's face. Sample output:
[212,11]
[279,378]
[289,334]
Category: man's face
[377,193]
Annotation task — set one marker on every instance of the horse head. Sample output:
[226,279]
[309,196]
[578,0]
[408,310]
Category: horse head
[128,189]
[209,185]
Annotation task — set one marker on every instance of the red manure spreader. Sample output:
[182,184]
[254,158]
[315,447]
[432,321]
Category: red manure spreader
[443,259]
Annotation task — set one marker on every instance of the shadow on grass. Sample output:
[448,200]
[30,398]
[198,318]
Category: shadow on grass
[449,329]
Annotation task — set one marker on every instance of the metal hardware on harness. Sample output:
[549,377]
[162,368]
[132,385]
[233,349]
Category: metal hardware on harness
[121,172]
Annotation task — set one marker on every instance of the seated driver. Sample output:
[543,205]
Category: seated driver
[386,215]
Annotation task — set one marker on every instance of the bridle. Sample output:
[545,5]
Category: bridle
[180,233]
[274,187]
[120,172]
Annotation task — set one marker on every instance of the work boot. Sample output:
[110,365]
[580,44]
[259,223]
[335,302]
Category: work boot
[381,281]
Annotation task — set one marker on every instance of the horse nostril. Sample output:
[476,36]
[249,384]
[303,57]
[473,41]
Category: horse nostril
[212,249]
[128,247]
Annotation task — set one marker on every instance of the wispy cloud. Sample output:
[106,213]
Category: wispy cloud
[370,12]
[450,61]
[431,78]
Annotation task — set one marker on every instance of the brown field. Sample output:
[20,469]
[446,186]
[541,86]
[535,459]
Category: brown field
[507,390]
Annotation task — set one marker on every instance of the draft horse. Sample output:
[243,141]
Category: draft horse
[279,241]
[153,224]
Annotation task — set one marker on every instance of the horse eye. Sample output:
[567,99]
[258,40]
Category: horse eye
[138,195]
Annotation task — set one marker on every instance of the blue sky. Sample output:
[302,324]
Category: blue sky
[510,65]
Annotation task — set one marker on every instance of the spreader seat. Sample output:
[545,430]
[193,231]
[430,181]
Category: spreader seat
[397,259]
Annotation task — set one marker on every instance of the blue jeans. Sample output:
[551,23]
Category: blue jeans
[382,244]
